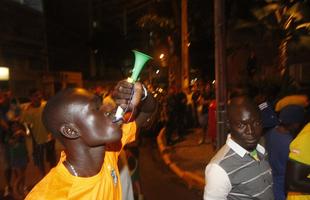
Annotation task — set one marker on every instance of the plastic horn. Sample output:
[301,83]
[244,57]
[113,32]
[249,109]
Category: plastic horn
[140,60]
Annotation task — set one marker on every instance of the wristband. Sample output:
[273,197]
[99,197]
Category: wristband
[145,93]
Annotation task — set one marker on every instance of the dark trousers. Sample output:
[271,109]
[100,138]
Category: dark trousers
[175,124]
[46,150]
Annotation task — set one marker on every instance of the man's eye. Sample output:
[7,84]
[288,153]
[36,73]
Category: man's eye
[257,123]
[240,125]
[107,114]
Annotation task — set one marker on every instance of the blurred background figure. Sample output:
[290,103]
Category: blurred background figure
[195,97]
[203,109]
[269,116]
[5,146]
[211,131]
[132,155]
[189,117]
[278,140]
[298,167]
[293,99]
[125,178]
[176,111]
[171,113]
[10,112]
[43,145]
[19,159]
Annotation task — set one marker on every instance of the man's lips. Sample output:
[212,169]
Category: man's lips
[251,140]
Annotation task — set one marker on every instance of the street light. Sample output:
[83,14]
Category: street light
[4,73]
[161,56]
[4,78]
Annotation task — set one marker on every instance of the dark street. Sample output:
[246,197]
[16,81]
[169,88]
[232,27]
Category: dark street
[158,182]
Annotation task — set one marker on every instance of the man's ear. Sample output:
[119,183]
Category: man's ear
[69,131]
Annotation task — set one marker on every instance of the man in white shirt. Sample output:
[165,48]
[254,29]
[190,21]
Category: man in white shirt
[240,170]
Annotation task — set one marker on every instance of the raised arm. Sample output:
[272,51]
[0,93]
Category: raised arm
[135,100]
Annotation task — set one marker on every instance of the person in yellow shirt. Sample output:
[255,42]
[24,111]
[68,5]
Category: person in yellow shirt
[88,165]
[298,167]
[296,99]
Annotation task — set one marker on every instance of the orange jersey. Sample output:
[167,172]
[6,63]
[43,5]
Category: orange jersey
[59,183]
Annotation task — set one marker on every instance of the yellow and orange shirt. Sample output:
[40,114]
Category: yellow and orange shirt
[59,183]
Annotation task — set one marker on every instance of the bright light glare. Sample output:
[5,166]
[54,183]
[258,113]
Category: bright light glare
[193,81]
[94,24]
[161,56]
[213,82]
[4,73]
[157,71]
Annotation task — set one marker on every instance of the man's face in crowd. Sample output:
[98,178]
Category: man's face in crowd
[94,121]
[245,125]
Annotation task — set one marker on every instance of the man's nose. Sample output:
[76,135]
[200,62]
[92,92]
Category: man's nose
[250,129]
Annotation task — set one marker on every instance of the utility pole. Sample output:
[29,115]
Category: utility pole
[220,70]
[185,67]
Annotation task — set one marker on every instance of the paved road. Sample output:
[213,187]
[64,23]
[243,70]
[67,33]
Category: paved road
[157,181]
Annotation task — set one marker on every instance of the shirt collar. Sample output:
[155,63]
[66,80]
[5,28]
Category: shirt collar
[239,149]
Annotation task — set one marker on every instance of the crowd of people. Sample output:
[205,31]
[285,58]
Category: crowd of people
[266,155]
[182,111]
[19,121]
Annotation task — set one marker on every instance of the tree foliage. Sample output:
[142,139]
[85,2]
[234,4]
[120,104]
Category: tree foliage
[280,23]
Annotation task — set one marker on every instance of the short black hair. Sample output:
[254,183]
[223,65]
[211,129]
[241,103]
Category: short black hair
[54,105]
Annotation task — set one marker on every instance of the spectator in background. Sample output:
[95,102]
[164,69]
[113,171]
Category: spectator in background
[5,146]
[10,113]
[203,109]
[211,130]
[125,178]
[269,116]
[181,102]
[298,167]
[189,108]
[19,158]
[294,99]
[240,169]
[176,110]
[133,164]
[278,140]
[195,97]
[43,145]
[171,126]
